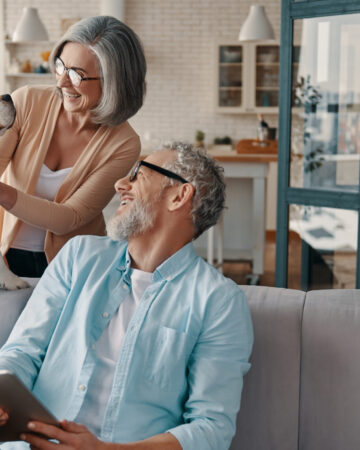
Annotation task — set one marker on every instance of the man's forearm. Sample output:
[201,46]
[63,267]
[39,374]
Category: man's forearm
[165,441]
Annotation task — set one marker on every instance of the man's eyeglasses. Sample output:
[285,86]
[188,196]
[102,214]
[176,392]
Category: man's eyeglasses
[73,75]
[158,169]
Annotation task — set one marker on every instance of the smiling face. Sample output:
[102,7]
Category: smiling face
[141,200]
[85,97]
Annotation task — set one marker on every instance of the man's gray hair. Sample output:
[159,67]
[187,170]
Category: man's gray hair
[207,177]
[121,61]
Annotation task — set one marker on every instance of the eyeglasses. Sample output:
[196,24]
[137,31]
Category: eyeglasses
[158,169]
[73,75]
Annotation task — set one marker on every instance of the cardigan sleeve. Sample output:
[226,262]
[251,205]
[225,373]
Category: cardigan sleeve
[85,203]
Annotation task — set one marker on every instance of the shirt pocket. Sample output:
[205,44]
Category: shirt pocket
[168,358]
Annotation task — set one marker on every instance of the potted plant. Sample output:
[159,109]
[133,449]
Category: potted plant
[223,143]
[199,138]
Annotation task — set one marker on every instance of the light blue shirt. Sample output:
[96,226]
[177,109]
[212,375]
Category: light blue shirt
[183,358]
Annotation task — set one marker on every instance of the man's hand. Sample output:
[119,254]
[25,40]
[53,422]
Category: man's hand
[4,417]
[71,436]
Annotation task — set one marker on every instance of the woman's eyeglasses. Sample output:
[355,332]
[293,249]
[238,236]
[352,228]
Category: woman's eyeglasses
[73,75]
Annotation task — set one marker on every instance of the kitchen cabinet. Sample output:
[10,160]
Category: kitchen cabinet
[248,78]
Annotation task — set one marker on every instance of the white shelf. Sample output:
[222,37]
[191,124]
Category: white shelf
[267,88]
[226,64]
[30,75]
[11,43]
[230,88]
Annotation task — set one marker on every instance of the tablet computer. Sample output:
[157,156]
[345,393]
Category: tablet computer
[21,406]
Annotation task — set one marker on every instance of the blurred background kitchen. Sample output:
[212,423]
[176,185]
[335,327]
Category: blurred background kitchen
[206,87]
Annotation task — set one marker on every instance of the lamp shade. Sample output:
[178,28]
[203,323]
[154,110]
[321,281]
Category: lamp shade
[113,8]
[30,27]
[256,26]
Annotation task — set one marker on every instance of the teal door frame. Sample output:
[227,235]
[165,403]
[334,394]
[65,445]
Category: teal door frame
[291,11]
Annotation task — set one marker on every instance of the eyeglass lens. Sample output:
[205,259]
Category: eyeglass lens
[134,172]
[75,78]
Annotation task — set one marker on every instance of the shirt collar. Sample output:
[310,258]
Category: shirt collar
[176,264]
[169,269]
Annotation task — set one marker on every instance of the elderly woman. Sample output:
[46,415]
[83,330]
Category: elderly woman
[70,144]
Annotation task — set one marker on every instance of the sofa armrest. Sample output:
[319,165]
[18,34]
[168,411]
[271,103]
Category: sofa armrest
[11,305]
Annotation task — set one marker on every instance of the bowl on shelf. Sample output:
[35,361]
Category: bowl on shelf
[231,56]
[267,57]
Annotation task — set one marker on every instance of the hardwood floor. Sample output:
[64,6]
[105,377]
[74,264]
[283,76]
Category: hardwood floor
[343,266]
[240,270]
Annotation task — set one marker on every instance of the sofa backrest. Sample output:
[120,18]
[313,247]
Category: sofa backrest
[268,417]
[330,371]
[303,389]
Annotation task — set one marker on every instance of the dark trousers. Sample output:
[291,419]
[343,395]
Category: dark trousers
[25,263]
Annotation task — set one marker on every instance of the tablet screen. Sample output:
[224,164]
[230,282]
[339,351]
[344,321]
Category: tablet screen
[21,406]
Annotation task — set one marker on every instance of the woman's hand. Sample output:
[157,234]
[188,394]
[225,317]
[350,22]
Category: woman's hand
[4,417]
[70,436]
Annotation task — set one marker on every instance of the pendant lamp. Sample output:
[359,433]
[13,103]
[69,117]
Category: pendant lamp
[30,27]
[256,26]
[113,8]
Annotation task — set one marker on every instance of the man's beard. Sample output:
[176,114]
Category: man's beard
[139,218]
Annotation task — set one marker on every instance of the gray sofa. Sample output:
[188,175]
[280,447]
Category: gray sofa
[303,390]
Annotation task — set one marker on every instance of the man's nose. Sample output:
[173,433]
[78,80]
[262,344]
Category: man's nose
[123,184]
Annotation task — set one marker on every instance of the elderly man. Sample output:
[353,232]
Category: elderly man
[135,336]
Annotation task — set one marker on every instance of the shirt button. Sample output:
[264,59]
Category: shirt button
[93,347]
[126,287]
[105,315]
[82,387]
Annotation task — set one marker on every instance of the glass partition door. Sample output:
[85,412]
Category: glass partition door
[319,148]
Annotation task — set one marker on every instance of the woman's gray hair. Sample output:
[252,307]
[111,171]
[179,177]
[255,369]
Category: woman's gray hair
[207,177]
[121,61]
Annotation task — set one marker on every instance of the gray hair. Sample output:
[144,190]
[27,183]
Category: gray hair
[122,65]
[207,177]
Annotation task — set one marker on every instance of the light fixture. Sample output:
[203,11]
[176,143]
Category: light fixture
[114,8]
[30,27]
[256,26]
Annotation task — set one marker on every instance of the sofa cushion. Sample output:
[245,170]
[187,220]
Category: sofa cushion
[330,371]
[11,305]
[268,418]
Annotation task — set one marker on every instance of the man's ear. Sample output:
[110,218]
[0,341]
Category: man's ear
[181,196]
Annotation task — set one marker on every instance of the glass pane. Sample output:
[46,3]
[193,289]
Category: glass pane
[230,75]
[325,130]
[230,97]
[267,75]
[231,54]
[322,248]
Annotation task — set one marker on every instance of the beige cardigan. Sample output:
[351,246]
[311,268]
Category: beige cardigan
[87,189]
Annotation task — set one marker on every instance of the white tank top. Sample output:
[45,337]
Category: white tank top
[33,238]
